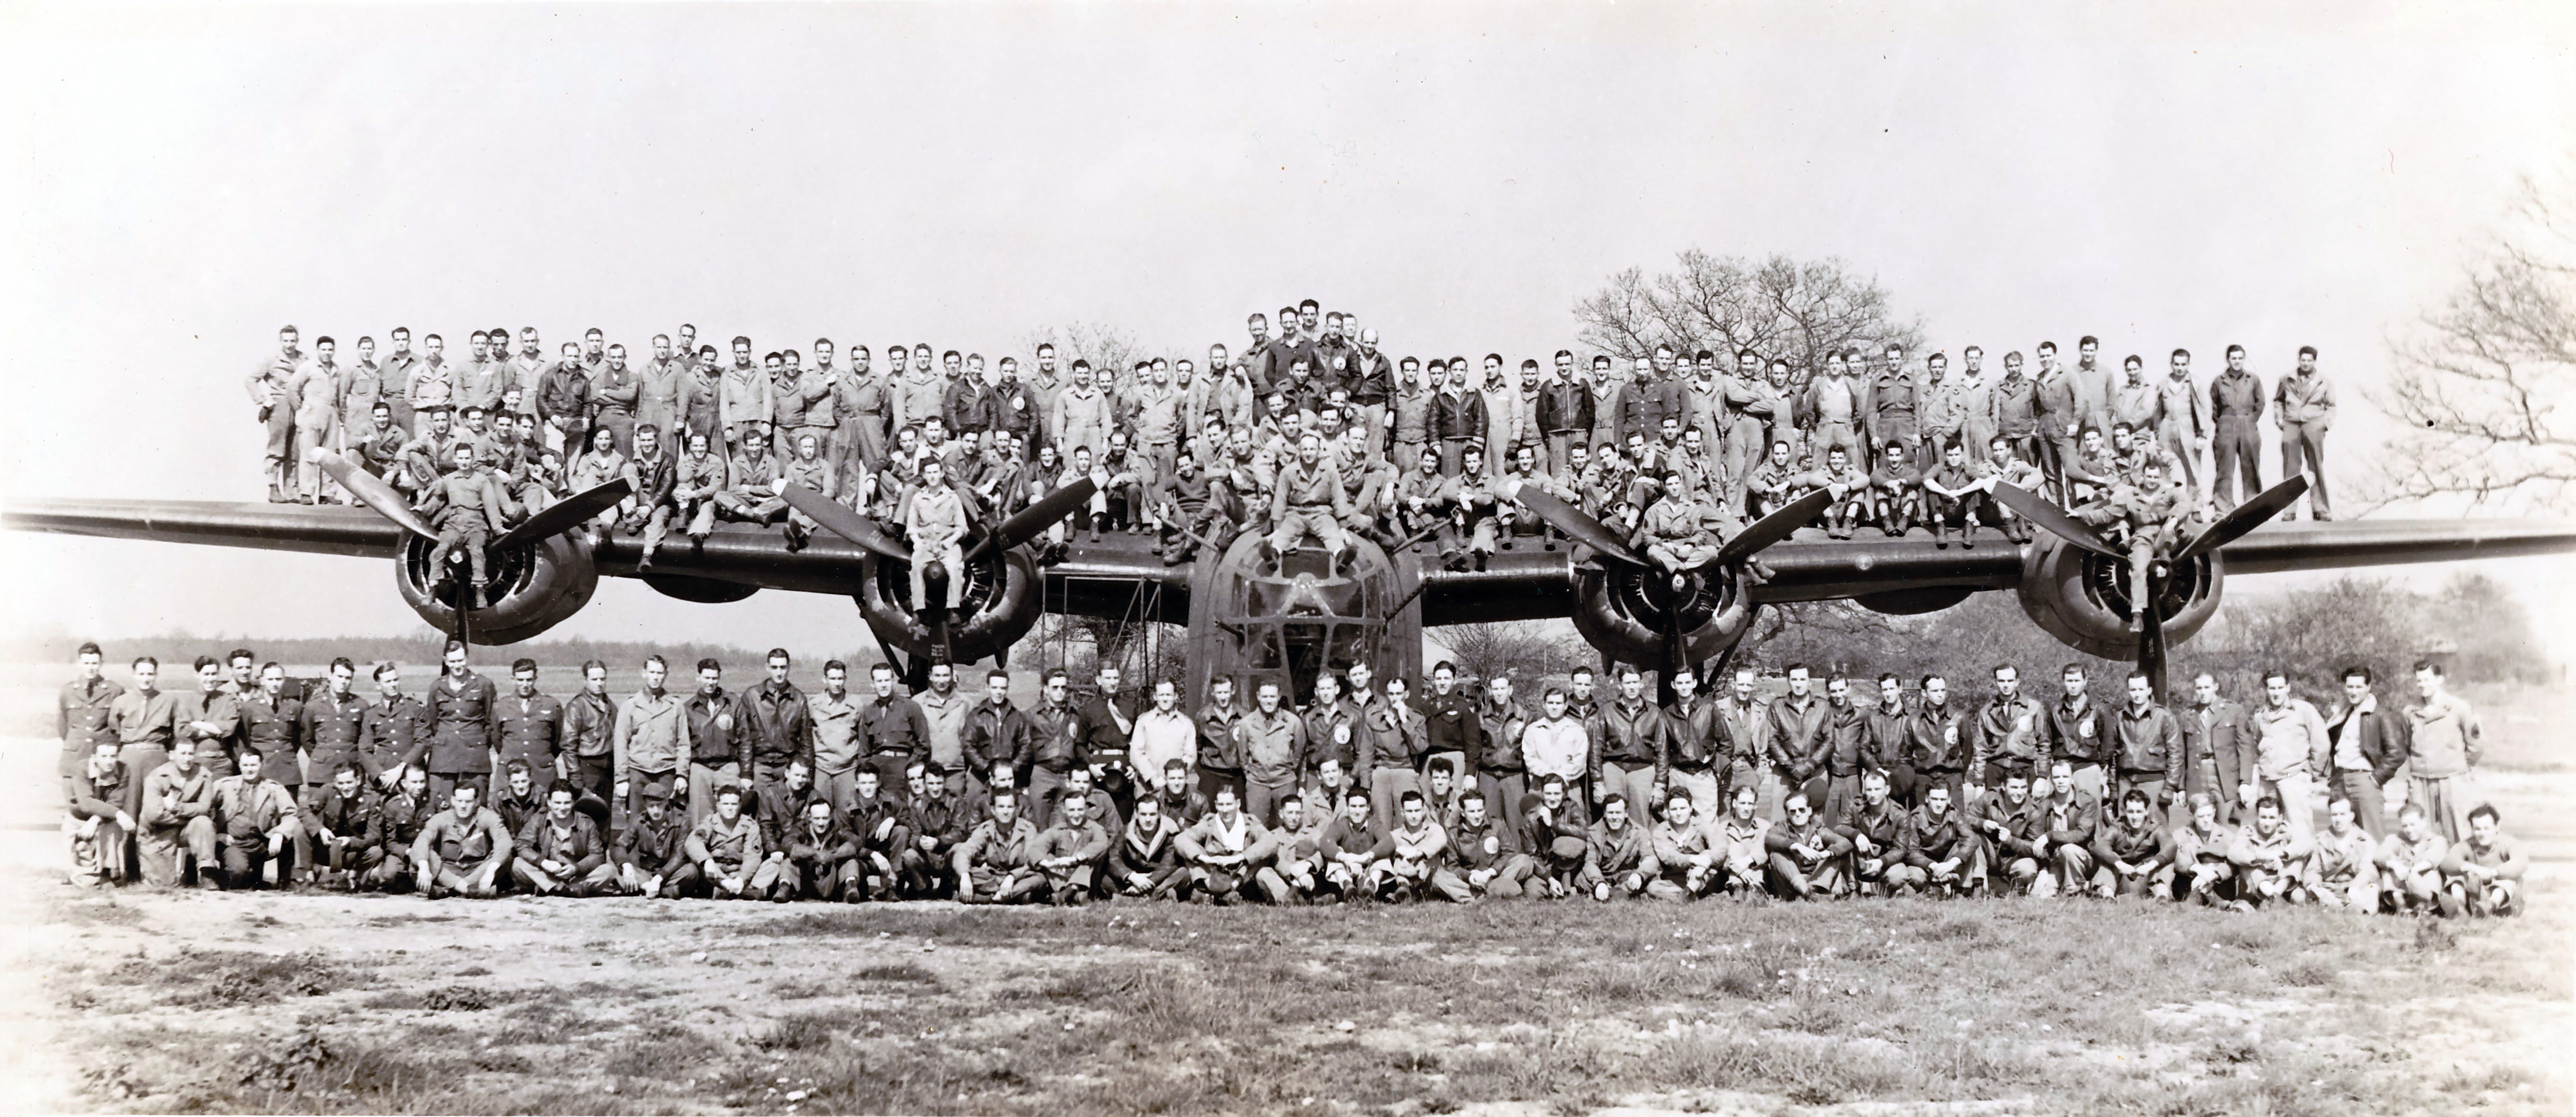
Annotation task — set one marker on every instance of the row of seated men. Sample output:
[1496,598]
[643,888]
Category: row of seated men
[1322,846]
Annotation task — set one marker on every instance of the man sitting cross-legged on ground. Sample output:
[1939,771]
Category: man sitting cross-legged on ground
[995,864]
[1943,854]
[1742,843]
[2345,873]
[2202,872]
[463,849]
[2134,853]
[1875,827]
[561,853]
[1618,859]
[1351,847]
[2410,862]
[649,856]
[344,828]
[2270,858]
[1146,859]
[1483,858]
[1806,854]
[1070,850]
[726,848]
[823,859]
[2015,831]
[1419,844]
[1226,851]
[1689,867]
[2483,873]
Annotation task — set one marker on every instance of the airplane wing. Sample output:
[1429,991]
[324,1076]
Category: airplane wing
[1533,583]
[1102,576]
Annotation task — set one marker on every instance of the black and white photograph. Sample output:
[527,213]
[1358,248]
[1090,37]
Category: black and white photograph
[1330,559]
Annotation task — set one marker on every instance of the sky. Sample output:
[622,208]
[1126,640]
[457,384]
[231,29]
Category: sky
[181,181]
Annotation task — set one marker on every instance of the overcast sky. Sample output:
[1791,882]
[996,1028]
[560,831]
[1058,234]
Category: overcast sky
[180,182]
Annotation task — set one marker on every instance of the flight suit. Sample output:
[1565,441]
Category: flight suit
[467,509]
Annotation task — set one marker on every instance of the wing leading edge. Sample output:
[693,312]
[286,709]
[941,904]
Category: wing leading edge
[1526,583]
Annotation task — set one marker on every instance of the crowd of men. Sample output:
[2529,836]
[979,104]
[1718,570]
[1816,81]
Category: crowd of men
[1368,790]
[1311,431]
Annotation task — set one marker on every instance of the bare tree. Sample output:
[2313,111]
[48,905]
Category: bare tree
[1526,651]
[2484,385]
[1798,310]
[1104,346]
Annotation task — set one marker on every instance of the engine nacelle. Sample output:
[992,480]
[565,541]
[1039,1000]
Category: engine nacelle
[1622,612]
[2082,598]
[992,606]
[533,588]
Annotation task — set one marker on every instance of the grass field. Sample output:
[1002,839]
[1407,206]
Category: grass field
[322,1003]
[152,1002]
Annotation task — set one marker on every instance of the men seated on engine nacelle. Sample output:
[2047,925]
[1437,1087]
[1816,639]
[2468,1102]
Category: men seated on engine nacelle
[1896,493]
[1680,531]
[467,507]
[1309,501]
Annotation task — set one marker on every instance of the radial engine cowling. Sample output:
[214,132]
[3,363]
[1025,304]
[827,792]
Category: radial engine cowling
[2082,598]
[990,608]
[533,588]
[1621,611]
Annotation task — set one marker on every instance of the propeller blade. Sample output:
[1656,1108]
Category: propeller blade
[564,515]
[838,519]
[1576,526]
[2151,645]
[2036,509]
[1764,532]
[373,492]
[2244,518]
[1033,520]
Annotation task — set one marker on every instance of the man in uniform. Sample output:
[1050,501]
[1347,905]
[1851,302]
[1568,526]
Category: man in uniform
[560,851]
[462,849]
[650,748]
[649,853]
[994,865]
[267,386]
[84,713]
[1618,857]
[1876,828]
[1806,854]
[2291,751]
[2303,406]
[144,720]
[467,507]
[531,727]
[2135,851]
[2442,737]
[2236,403]
[822,861]
[726,847]
[2015,829]
[342,831]
[2345,874]
[2147,747]
[463,737]
[2410,862]
[255,823]
[2483,873]
[178,820]
[2071,819]
[587,757]
[1069,851]
[1942,851]
[2271,858]
[2077,732]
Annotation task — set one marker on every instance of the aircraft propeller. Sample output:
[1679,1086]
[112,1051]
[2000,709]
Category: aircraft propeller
[936,578]
[545,523]
[2150,613]
[1741,548]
